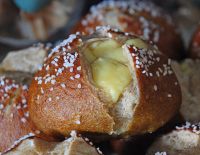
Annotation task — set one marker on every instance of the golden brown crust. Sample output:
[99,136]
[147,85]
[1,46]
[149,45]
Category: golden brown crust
[62,99]
[143,19]
[194,49]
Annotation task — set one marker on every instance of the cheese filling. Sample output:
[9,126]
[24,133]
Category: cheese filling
[109,67]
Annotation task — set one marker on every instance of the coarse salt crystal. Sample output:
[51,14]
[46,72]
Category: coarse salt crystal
[79,85]
[50,99]
[169,95]
[77,76]
[62,85]
[155,87]
[79,68]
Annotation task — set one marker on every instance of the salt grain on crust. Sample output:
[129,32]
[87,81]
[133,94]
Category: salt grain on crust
[1,106]
[77,122]
[86,139]
[63,85]
[23,120]
[99,151]
[78,68]
[51,89]
[169,95]
[77,76]
[79,85]
[155,87]
[71,70]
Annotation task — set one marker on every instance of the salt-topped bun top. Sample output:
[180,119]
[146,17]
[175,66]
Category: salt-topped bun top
[109,82]
[140,18]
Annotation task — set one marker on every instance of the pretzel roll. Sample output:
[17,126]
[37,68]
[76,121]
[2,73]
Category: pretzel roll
[13,113]
[140,18]
[109,82]
[194,50]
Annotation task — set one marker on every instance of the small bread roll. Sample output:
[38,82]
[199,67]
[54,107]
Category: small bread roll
[72,146]
[140,18]
[184,140]
[188,74]
[108,83]
[194,49]
[13,113]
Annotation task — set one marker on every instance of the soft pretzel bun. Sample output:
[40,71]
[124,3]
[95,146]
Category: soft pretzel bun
[194,50]
[183,140]
[140,18]
[13,113]
[72,93]
[72,146]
